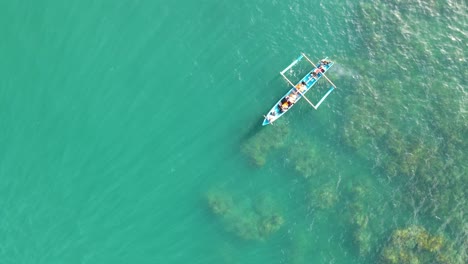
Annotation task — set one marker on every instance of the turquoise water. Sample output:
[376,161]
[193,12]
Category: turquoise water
[131,133]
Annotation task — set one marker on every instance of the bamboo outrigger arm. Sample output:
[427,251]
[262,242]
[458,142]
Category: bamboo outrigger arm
[307,99]
[323,74]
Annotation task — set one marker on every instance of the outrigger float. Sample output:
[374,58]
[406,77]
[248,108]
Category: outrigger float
[300,88]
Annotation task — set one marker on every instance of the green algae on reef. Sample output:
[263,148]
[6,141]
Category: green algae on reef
[219,203]
[425,159]
[305,159]
[360,220]
[323,197]
[367,217]
[257,147]
[415,245]
[405,122]
[249,221]
[411,115]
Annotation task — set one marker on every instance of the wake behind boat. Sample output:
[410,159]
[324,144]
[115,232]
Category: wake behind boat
[300,88]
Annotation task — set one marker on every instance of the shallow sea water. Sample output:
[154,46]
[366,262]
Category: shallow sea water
[131,132]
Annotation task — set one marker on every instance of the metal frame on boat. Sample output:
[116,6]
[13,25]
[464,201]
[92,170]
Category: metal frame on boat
[300,88]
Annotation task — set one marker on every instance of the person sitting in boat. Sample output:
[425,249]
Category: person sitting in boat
[271,116]
[292,97]
[301,87]
[284,105]
[318,71]
[324,62]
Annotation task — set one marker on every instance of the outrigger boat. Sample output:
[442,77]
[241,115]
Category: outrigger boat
[300,88]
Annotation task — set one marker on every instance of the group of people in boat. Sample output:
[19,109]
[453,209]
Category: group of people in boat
[320,69]
[292,97]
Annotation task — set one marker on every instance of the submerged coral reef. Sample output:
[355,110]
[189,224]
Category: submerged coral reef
[323,197]
[256,221]
[219,203]
[408,125]
[257,147]
[415,245]
[359,220]
[305,159]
